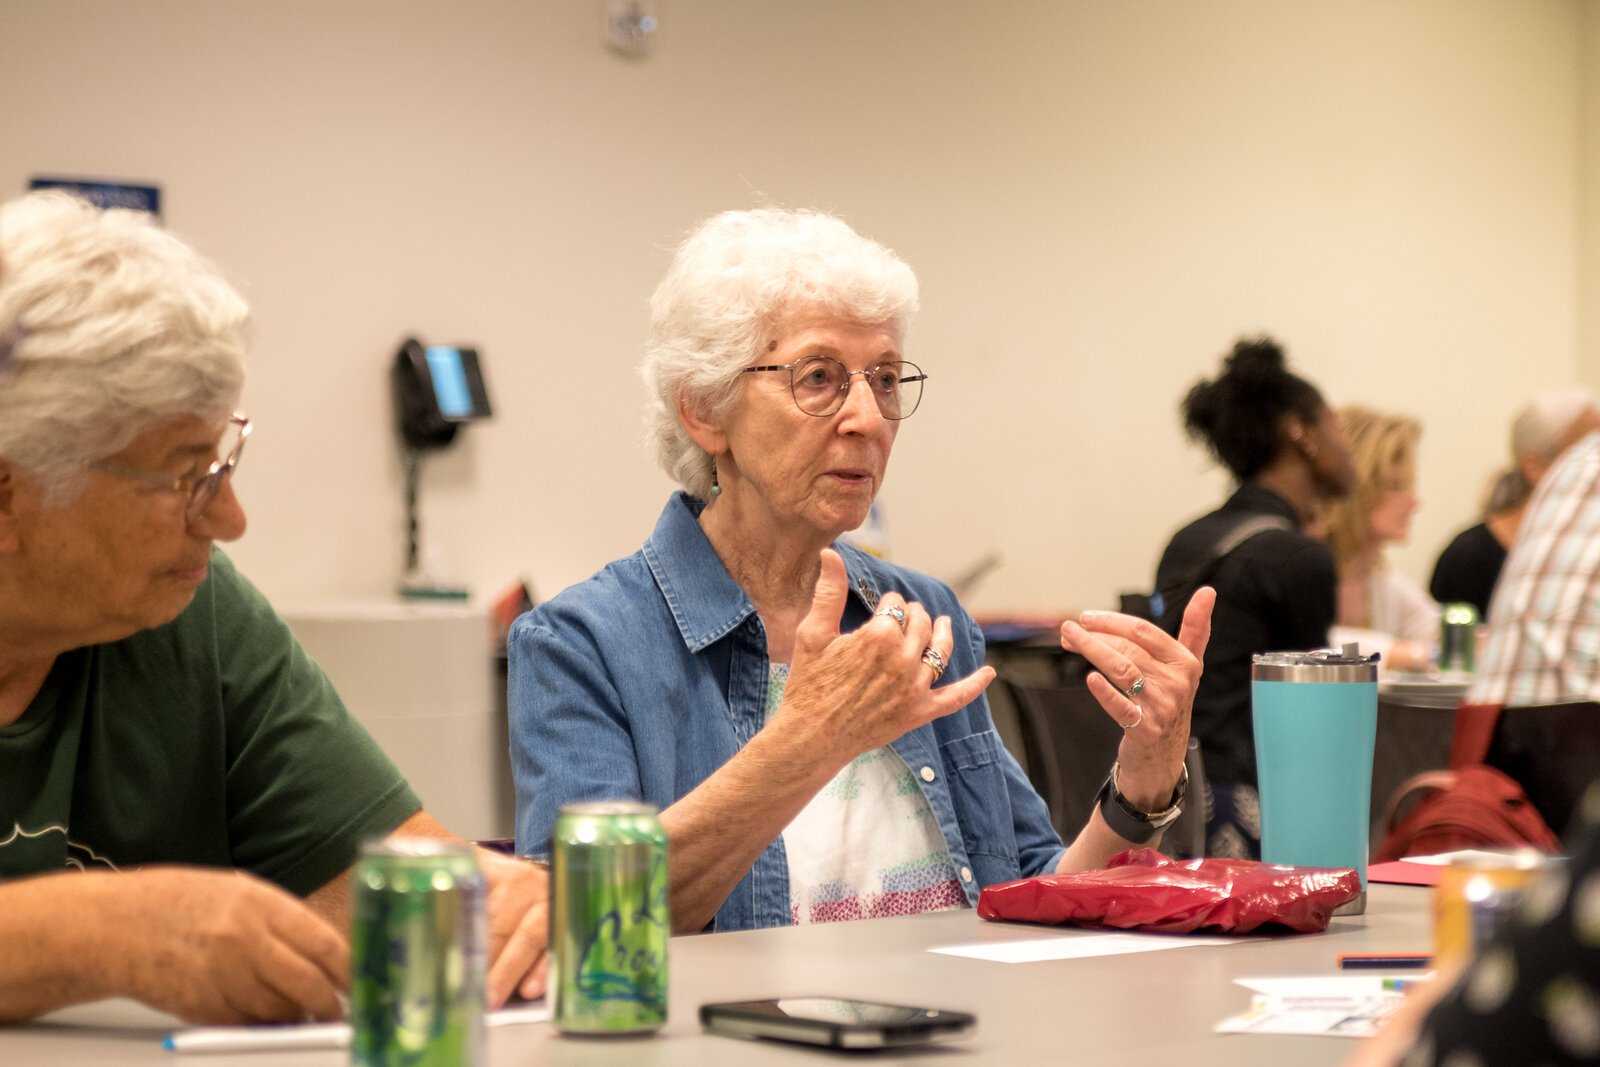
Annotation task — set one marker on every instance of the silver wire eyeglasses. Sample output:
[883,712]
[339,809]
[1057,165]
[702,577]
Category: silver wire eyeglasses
[199,490]
[819,385]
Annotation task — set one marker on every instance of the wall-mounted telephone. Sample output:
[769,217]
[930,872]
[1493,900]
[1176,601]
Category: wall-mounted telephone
[436,389]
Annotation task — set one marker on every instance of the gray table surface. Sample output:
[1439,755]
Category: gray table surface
[1153,1007]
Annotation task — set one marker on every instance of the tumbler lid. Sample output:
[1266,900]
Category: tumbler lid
[1345,664]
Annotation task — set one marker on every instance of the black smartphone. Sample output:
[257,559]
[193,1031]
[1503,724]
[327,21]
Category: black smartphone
[834,1023]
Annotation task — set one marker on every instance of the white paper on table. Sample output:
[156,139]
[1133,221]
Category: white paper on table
[1081,947]
[533,1011]
[1333,1006]
[1444,859]
[1337,985]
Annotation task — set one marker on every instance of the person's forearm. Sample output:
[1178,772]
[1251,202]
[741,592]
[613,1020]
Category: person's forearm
[332,901]
[1095,844]
[56,948]
[1390,1044]
[718,830]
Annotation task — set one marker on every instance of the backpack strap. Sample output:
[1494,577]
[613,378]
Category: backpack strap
[1176,596]
[1244,531]
[1427,781]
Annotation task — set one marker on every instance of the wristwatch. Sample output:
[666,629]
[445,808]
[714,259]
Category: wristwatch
[1128,821]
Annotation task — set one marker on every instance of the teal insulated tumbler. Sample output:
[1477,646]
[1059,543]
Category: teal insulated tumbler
[1316,715]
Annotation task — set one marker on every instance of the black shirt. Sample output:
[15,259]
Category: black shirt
[1468,568]
[1276,592]
[1530,995]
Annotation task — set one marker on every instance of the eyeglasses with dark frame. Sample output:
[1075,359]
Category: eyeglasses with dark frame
[819,385]
[201,490]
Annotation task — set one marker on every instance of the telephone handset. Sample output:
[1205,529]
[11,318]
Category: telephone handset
[436,389]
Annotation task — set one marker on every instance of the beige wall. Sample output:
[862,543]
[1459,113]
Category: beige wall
[1097,196]
[1588,39]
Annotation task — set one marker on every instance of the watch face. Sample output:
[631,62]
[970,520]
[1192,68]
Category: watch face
[1166,818]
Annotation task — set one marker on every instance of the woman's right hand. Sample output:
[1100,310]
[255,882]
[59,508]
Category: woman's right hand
[847,694]
[851,693]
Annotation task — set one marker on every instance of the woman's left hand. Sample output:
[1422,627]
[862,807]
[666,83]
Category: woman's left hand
[1145,680]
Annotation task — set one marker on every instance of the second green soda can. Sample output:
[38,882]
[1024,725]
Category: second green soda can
[417,956]
[609,922]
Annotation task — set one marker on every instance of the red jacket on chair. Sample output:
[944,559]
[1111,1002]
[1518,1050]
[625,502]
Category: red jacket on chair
[1469,806]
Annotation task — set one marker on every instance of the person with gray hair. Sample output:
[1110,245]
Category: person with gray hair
[775,691]
[182,793]
[1469,567]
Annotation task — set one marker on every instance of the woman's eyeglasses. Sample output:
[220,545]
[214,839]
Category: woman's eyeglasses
[198,490]
[821,383]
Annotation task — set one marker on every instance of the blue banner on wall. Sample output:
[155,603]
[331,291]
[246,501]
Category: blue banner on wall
[107,194]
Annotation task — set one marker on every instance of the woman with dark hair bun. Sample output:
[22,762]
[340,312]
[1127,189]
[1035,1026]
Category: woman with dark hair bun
[1276,586]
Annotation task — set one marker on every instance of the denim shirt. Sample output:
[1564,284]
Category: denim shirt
[640,682]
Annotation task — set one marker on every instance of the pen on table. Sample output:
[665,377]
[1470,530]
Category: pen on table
[1382,960]
[259,1038]
[268,1038]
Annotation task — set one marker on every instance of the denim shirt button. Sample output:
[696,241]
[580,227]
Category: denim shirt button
[966,874]
[928,775]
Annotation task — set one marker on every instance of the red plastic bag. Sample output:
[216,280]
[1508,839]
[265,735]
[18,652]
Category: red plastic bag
[1143,890]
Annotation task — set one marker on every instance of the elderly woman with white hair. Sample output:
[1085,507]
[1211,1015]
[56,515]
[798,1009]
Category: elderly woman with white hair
[774,691]
[1469,567]
[182,793]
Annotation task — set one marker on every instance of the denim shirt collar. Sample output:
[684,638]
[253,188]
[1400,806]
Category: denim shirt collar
[706,603]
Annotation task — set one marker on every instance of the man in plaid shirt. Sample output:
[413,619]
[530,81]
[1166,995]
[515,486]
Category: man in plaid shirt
[1544,620]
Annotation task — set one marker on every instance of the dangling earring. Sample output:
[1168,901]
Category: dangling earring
[716,488]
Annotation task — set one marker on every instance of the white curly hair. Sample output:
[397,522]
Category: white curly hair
[109,327]
[733,282]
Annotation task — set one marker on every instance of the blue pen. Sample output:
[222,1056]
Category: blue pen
[1384,960]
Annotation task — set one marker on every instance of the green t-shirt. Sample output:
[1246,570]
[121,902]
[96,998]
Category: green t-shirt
[212,740]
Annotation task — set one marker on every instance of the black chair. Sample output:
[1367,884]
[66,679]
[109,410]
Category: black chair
[1069,744]
[1411,739]
[1553,752]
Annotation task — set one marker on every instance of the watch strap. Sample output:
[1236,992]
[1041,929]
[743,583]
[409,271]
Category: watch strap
[1131,823]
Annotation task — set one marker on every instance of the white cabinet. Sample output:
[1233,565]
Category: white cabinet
[421,678]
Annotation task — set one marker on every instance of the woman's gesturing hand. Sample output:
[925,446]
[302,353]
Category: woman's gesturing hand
[861,690]
[1145,680]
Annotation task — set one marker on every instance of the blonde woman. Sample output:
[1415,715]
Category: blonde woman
[1381,608]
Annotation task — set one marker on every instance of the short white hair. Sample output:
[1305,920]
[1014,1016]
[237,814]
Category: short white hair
[1542,426]
[733,282]
[109,327]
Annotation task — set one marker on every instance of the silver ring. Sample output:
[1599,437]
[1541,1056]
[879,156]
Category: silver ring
[1137,687]
[934,659]
[897,614]
[1135,722]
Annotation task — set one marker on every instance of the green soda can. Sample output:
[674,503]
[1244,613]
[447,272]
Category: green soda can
[609,922]
[1458,631]
[417,956]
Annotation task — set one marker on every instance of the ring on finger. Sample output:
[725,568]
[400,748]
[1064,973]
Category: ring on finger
[935,659]
[1137,687]
[1130,725]
[898,614]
